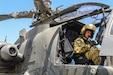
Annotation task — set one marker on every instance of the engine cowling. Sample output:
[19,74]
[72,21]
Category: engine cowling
[10,53]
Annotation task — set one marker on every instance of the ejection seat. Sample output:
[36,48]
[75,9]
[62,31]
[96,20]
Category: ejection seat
[66,42]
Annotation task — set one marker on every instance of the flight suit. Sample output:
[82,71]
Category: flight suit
[83,46]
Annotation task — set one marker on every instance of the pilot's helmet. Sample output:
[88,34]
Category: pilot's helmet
[91,27]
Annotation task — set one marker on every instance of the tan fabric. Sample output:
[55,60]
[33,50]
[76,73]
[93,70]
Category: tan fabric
[94,56]
[90,53]
[80,46]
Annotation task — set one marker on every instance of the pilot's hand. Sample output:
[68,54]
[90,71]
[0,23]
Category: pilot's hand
[94,56]
[92,43]
[85,48]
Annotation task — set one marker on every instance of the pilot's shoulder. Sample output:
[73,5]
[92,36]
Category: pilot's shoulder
[79,40]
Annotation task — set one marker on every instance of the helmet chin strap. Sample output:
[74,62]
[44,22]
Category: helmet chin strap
[84,37]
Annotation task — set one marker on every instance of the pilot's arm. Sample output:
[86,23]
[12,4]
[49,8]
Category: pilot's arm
[80,46]
[91,54]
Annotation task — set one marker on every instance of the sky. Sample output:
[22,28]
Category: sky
[10,28]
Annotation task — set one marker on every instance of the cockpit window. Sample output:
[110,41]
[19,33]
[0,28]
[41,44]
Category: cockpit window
[87,9]
[78,12]
[95,18]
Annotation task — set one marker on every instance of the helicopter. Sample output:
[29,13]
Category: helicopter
[36,52]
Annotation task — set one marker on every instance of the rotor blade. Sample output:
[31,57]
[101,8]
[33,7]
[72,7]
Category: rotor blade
[16,15]
[5,17]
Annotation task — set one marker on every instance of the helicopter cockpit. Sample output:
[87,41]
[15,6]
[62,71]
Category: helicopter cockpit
[56,48]
[72,22]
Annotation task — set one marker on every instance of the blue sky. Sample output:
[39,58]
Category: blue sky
[11,28]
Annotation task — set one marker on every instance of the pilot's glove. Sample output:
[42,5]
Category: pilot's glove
[85,48]
[94,56]
[92,43]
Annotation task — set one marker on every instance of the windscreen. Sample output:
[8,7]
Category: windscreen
[82,12]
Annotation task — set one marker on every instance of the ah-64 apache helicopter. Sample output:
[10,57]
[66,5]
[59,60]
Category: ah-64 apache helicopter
[36,52]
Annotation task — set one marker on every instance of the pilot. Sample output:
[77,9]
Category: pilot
[85,50]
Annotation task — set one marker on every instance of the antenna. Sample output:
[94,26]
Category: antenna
[5,39]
